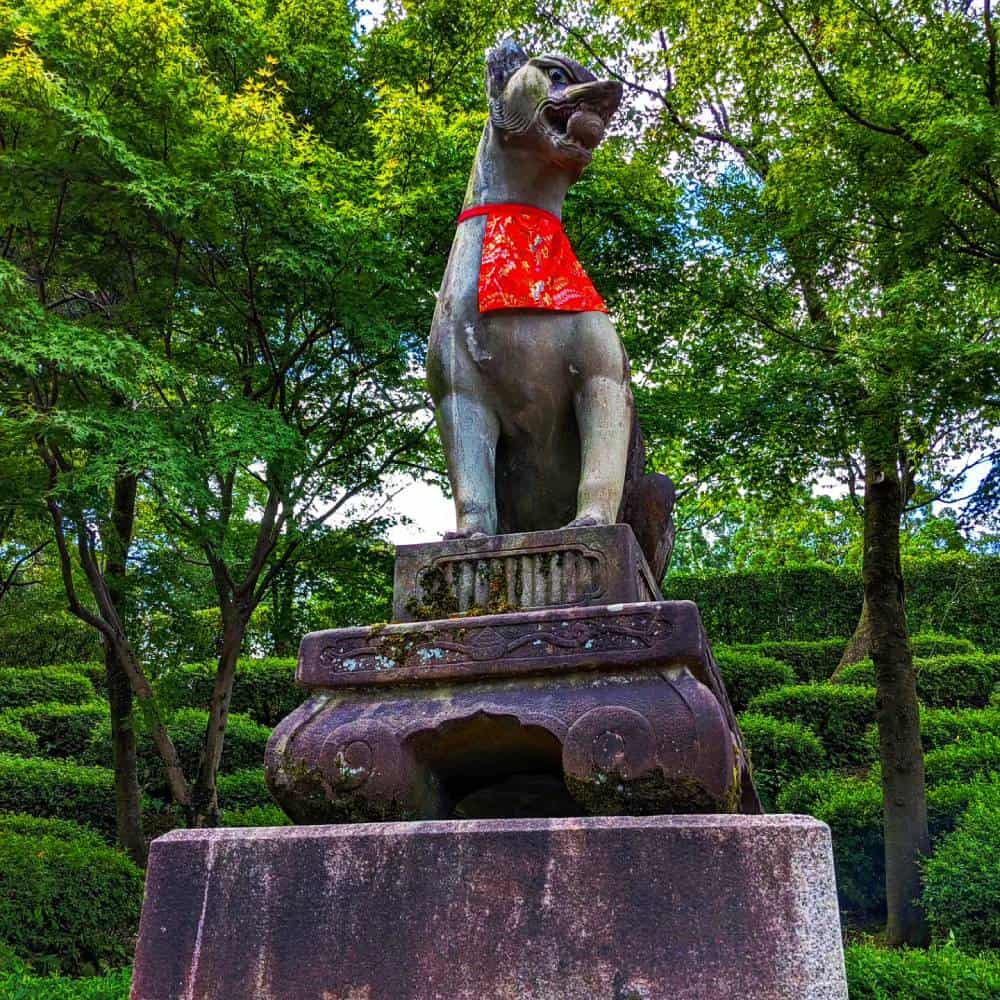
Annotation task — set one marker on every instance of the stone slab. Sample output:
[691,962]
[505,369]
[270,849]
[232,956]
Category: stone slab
[609,637]
[678,907]
[568,567]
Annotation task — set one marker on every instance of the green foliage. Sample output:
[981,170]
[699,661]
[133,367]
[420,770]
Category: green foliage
[812,660]
[978,756]
[39,826]
[748,674]
[263,815]
[15,739]
[58,789]
[962,878]
[244,790]
[875,973]
[67,905]
[60,730]
[959,680]
[24,986]
[779,752]
[243,747]
[33,641]
[942,727]
[838,714]
[954,594]
[263,689]
[42,684]
[852,807]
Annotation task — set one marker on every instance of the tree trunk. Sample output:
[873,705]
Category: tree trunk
[204,799]
[860,646]
[128,797]
[900,753]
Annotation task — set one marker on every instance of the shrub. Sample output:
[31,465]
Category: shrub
[33,640]
[838,714]
[41,684]
[244,790]
[67,905]
[852,808]
[927,644]
[962,879]
[40,826]
[93,670]
[243,746]
[58,788]
[976,757]
[942,727]
[61,730]
[267,815]
[23,986]
[813,661]
[949,681]
[779,752]
[263,689]
[875,973]
[14,738]
[748,674]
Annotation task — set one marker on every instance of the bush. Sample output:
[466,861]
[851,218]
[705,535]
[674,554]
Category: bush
[901,974]
[977,757]
[962,680]
[263,689]
[244,790]
[268,815]
[23,986]
[58,788]
[93,670]
[779,752]
[14,738]
[67,905]
[33,640]
[838,714]
[962,879]
[243,747]
[942,727]
[42,684]
[927,644]
[61,730]
[39,826]
[748,674]
[813,661]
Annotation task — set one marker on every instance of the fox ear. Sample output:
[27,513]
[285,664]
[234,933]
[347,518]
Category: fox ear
[502,63]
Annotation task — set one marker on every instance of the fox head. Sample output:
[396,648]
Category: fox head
[549,104]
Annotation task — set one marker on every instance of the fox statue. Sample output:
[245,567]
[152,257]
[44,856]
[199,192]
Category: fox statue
[529,378]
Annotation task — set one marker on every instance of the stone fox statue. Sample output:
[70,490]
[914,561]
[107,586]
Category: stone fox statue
[529,378]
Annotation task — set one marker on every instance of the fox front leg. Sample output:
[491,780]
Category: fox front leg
[469,432]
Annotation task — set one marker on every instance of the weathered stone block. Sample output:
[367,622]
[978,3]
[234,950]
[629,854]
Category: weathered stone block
[521,572]
[678,907]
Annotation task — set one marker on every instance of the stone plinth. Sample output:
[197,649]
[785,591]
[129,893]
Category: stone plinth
[569,567]
[660,908]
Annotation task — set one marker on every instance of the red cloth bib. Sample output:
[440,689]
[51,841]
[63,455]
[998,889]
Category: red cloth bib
[528,262]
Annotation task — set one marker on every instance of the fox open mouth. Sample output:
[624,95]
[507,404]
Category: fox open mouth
[575,125]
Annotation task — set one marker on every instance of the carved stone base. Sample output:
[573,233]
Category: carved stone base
[600,710]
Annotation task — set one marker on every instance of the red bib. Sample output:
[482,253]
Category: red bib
[528,262]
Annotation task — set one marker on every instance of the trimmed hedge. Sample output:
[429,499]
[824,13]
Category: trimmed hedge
[943,727]
[747,675]
[965,680]
[852,808]
[243,747]
[42,684]
[58,789]
[33,640]
[60,730]
[779,752]
[962,878]
[955,593]
[23,986]
[67,905]
[839,714]
[263,689]
[40,826]
[93,670]
[268,815]
[875,973]
[244,790]
[14,738]
[977,757]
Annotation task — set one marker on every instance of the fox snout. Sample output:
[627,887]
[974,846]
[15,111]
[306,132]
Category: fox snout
[602,96]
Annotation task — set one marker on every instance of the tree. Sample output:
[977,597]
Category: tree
[836,308]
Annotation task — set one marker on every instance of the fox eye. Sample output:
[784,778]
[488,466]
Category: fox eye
[558,76]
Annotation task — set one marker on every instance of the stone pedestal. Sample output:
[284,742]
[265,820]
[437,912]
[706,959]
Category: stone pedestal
[657,908]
